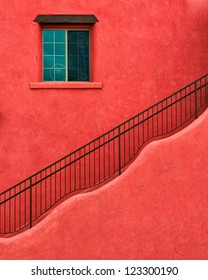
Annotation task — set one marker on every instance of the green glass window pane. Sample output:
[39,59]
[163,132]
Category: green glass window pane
[72,37]
[48,49]
[84,62]
[84,74]
[60,74]
[73,49]
[73,61]
[73,74]
[84,50]
[48,36]
[61,61]
[59,49]
[54,58]
[48,61]
[60,36]
[83,37]
[78,56]
[48,75]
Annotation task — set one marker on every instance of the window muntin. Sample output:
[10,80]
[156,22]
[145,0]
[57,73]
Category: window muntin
[66,55]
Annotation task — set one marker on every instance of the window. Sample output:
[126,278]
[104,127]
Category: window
[66,54]
[66,60]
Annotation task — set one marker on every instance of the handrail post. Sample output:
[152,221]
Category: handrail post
[31,202]
[119,151]
[196,107]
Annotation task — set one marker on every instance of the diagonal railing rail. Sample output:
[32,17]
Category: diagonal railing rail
[100,159]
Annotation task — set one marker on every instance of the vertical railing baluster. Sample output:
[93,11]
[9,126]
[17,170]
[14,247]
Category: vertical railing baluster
[41,190]
[15,211]
[25,199]
[60,180]
[99,158]
[196,107]
[36,199]
[94,153]
[50,187]
[129,146]
[46,208]
[84,168]
[162,116]
[108,155]
[124,139]
[114,156]
[70,176]
[119,151]
[104,158]
[200,93]
[20,206]
[9,214]
[147,125]
[185,105]
[133,137]
[65,175]
[5,213]
[152,122]
[55,185]
[142,128]
[157,122]
[80,178]
[176,111]
[171,113]
[206,93]
[31,201]
[89,169]
[75,174]
[181,102]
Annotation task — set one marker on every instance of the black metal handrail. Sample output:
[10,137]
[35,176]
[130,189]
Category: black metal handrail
[100,159]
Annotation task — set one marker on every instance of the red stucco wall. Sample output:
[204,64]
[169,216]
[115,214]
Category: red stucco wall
[162,214]
[143,51]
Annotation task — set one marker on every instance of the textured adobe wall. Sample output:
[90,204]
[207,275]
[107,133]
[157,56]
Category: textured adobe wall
[143,51]
[162,214]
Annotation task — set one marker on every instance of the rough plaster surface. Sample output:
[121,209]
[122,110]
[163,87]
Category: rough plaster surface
[157,209]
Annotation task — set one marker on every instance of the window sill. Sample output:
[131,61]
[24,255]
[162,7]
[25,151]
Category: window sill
[66,85]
